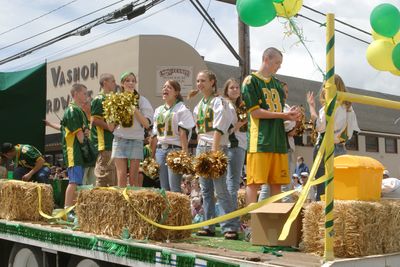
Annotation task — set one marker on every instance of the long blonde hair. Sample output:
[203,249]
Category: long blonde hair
[340,87]
[211,76]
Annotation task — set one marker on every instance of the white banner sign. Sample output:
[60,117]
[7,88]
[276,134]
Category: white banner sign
[181,74]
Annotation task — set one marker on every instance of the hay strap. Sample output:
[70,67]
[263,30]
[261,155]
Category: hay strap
[59,215]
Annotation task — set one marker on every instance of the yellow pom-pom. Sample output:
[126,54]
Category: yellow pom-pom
[119,108]
[180,162]
[211,164]
[150,167]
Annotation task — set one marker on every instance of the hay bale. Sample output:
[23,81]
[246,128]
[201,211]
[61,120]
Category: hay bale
[107,212]
[19,200]
[361,228]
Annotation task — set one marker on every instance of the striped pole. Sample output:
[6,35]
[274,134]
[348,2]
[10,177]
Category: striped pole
[330,98]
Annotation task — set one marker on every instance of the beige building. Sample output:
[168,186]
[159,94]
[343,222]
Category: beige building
[156,58]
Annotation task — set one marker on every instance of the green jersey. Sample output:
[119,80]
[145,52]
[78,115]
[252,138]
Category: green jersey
[26,156]
[101,139]
[264,135]
[74,120]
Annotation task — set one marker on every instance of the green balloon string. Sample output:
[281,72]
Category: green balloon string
[292,28]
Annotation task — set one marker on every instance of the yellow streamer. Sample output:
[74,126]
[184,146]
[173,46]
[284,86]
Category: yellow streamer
[219,219]
[59,215]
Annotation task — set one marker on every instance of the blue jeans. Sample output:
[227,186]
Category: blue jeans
[338,151]
[236,156]
[41,176]
[217,186]
[169,180]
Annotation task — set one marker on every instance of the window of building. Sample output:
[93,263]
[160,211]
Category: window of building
[371,143]
[352,144]
[390,145]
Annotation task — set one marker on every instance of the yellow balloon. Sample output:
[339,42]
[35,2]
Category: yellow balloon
[288,8]
[379,55]
[394,40]
[395,72]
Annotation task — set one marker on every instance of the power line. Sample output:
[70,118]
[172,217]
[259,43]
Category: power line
[56,27]
[127,11]
[201,27]
[97,37]
[339,31]
[41,16]
[340,21]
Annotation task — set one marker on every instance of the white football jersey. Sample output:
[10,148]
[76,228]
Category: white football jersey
[218,117]
[168,121]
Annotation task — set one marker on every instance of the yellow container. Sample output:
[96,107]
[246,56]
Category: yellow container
[357,178]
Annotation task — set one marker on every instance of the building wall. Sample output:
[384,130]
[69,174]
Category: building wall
[154,58]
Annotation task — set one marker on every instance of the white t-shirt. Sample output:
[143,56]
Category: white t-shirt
[241,137]
[217,117]
[136,131]
[345,122]
[167,122]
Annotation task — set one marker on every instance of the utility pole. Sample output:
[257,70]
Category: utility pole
[244,44]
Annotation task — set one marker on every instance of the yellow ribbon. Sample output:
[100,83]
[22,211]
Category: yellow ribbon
[59,215]
[219,219]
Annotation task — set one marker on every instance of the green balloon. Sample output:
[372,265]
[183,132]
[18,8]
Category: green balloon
[385,20]
[278,1]
[256,13]
[396,56]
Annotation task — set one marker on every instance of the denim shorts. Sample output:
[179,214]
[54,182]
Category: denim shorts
[127,148]
[75,175]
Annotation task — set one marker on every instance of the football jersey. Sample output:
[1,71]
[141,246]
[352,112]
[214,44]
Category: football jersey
[264,135]
[239,137]
[136,131]
[73,121]
[167,122]
[212,115]
[26,156]
[102,139]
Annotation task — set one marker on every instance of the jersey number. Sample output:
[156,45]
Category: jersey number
[273,100]
[161,127]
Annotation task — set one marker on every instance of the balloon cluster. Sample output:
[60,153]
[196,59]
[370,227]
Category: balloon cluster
[384,52]
[119,108]
[180,162]
[260,12]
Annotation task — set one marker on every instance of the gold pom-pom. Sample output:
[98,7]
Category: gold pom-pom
[150,167]
[119,108]
[211,164]
[241,112]
[180,162]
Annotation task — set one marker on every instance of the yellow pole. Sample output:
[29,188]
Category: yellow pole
[329,149]
[368,100]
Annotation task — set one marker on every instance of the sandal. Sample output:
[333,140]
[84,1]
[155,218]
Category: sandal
[231,235]
[205,232]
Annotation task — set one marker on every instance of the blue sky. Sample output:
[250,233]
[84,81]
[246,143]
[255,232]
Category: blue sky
[183,21]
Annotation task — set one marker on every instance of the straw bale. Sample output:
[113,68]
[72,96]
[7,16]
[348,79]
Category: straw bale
[107,212]
[361,228]
[19,200]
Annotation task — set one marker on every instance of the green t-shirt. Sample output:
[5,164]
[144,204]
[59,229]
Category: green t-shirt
[102,139]
[73,121]
[264,135]
[26,156]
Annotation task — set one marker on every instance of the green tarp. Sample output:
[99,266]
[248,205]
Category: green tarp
[23,106]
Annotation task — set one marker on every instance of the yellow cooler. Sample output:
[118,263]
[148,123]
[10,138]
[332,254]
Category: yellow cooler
[357,178]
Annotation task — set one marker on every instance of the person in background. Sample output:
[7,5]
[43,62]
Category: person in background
[172,126]
[128,141]
[345,125]
[29,164]
[213,119]
[300,166]
[74,128]
[101,136]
